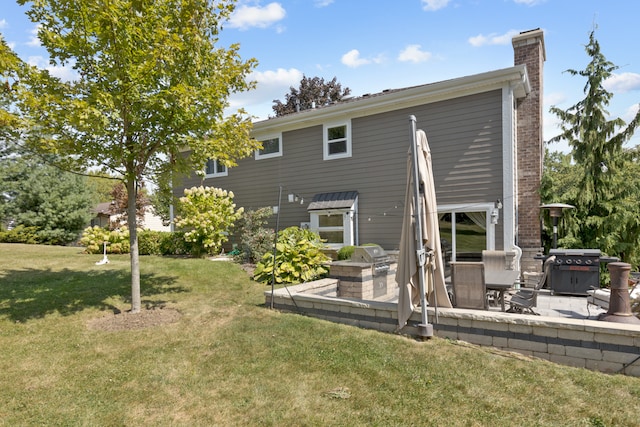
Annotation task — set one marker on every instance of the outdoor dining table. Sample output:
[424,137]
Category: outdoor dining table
[500,281]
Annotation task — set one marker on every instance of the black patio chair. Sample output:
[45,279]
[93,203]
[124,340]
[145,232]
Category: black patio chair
[526,299]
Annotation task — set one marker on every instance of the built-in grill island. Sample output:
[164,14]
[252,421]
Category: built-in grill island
[369,275]
[575,271]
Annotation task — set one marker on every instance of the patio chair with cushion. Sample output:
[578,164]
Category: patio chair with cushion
[495,260]
[525,300]
[469,289]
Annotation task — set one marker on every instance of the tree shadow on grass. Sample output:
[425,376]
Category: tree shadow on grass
[35,293]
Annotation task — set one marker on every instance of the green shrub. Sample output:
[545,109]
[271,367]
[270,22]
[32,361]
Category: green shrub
[298,257]
[20,234]
[149,242]
[345,252]
[255,240]
[174,244]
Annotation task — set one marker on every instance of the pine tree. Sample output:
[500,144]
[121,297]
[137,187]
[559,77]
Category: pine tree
[606,211]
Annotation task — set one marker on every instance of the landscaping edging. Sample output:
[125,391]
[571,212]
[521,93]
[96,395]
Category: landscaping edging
[602,346]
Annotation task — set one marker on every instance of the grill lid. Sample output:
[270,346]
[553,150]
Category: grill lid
[595,253]
[369,254]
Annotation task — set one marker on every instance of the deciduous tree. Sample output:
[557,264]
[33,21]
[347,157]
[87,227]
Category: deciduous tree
[151,83]
[10,65]
[312,91]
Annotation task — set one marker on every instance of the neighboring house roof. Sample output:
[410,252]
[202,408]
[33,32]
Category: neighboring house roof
[394,99]
[102,209]
[150,220]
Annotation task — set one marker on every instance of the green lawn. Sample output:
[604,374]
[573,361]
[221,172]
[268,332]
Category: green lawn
[229,361]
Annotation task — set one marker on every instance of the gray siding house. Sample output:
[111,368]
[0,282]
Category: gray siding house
[343,167]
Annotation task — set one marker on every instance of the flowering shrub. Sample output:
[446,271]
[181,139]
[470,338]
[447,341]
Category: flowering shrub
[207,214]
[299,258]
[94,237]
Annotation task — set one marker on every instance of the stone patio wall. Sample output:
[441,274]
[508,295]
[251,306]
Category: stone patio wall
[601,346]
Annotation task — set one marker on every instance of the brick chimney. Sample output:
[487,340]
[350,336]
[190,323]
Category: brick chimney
[528,49]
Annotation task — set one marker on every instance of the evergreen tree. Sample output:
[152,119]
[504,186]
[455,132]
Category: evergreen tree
[606,214]
[56,202]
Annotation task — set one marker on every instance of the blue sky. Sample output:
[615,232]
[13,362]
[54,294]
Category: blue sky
[372,45]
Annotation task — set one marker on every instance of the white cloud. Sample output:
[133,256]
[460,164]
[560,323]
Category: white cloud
[34,41]
[322,3]
[352,59]
[280,77]
[3,23]
[64,72]
[270,85]
[529,2]
[246,17]
[630,113]
[555,98]
[492,39]
[622,83]
[413,53]
[432,5]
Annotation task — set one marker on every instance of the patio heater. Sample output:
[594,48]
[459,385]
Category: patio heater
[555,211]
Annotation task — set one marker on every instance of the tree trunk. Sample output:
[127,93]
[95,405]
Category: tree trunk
[132,196]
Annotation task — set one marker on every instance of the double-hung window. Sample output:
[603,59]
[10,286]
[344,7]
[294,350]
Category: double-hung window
[271,147]
[214,168]
[337,141]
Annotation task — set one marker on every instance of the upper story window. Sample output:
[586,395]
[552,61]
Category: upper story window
[337,141]
[214,168]
[271,147]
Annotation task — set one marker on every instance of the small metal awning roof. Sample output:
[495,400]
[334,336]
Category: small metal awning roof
[337,200]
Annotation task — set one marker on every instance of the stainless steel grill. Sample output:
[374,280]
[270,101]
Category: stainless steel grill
[380,263]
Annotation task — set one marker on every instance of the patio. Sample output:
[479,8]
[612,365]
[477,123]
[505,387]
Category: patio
[562,306]
[567,306]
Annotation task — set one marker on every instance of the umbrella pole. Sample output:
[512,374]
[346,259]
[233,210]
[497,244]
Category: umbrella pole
[425,330]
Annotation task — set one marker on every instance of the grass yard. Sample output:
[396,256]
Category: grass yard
[222,358]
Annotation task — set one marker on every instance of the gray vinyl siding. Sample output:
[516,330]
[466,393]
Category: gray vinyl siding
[465,136]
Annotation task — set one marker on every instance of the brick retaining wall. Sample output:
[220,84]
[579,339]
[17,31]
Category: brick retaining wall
[601,346]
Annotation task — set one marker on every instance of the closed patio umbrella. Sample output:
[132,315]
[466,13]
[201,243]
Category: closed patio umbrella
[420,272]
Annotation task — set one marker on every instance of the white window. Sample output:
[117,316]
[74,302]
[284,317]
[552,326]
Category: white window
[214,168]
[335,227]
[271,147]
[337,141]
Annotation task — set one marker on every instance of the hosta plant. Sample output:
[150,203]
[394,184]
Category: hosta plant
[299,258]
